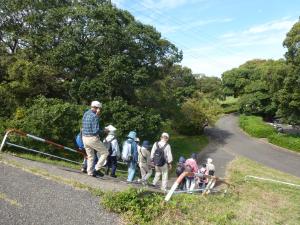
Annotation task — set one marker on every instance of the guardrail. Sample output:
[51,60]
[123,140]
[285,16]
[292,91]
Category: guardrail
[59,146]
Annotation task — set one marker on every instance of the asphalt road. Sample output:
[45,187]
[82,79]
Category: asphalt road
[228,141]
[29,199]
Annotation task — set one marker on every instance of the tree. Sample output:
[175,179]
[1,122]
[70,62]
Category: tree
[195,113]
[89,45]
[289,95]
[211,86]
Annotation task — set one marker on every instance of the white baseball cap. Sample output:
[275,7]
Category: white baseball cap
[96,104]
[164,134]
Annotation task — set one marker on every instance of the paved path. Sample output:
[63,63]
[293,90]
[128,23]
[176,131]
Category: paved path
[29,199]
[227,141]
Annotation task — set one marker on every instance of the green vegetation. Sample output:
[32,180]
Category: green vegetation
[269,88]
[39,158]
[195,113]
[287,141]
[229,105]
[186,145]
[248,202]
[56,58]
[255,126]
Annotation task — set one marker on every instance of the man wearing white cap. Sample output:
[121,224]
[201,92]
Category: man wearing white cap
[90,136]
[113,150]
[161,156]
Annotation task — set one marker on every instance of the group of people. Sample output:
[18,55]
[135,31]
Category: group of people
[106,153]
[190,165]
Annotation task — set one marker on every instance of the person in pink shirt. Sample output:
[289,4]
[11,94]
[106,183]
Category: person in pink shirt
[191,166]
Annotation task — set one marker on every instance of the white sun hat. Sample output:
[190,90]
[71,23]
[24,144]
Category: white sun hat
[110,128]
[164,134]
[96,104]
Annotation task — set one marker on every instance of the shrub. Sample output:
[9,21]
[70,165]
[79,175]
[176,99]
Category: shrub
[125,118]
[138,206]
[51,119]
[194,114]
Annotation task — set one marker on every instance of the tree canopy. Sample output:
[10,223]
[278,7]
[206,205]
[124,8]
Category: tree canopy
[270,88]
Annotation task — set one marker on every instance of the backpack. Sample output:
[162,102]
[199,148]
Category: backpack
[179,169]
[159,155]
[79,142]
[126,151]
[109,146]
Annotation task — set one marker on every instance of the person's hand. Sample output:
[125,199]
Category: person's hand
[170,166]
[98,111]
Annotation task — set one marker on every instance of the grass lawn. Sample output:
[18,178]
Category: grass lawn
[247,202]
[186,145]
[256,127]
[229,105]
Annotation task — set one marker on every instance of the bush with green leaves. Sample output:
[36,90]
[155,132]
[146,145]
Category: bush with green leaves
[195,113]
[125,118]
[48,118]
[137,205]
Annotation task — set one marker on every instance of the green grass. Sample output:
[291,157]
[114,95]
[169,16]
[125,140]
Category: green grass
[229,105]
[256,127]
[247,202]
[36,157]
[286,141]
[186,145]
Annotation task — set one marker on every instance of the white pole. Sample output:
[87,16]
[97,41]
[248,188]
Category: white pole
[3,141]
[268,179]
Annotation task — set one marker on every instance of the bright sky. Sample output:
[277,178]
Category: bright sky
[217,35]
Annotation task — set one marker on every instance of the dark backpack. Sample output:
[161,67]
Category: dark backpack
[159,155]
[179,169]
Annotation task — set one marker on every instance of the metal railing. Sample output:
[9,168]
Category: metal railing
[59,146]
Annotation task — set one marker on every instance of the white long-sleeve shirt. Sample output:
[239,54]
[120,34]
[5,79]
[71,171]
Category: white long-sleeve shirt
[114,144]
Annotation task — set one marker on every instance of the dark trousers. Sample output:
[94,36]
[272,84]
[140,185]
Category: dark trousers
[111,163]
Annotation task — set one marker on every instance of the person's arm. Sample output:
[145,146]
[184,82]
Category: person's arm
[169,156]
[153,151]
[115,147]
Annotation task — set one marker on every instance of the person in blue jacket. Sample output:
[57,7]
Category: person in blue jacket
[130,147]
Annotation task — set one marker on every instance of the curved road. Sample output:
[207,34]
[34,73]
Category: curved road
[227,141]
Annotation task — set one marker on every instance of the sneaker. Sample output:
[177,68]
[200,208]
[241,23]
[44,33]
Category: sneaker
[83,170]
[92,175]
[98,173]
[113,175]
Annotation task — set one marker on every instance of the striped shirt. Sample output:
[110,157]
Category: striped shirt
[90,124]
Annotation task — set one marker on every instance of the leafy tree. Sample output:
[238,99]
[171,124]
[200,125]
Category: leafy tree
[168,94]
[195,113]
[211,86]
[84,43]
[126,117]
[289,95]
